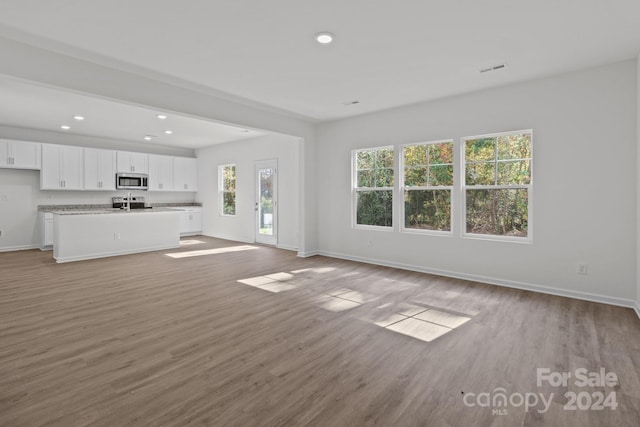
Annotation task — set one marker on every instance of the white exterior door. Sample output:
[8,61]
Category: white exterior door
[266,203]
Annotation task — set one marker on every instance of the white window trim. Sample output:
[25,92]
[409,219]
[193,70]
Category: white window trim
[402,189]
[221,189]
[463,193]
[355,190]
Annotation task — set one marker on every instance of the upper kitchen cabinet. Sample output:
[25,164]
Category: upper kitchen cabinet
[185,174]
[160,173]
[132,162]
[99,169]
[62,167]
[20,154]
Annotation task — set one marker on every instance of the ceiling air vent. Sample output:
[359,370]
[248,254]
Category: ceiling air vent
[493,68]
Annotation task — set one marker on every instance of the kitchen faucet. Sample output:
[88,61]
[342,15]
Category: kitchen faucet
[129,201]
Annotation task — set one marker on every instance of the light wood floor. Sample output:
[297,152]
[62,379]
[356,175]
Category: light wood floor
[259,337]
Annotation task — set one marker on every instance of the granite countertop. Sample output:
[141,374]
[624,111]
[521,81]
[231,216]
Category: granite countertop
[107,208]
[112,211]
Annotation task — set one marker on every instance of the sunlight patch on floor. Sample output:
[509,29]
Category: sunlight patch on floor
[335,303]
[315,270]
[216,251]
[423,322]
[420,322]
[419,329]
[275,282]
[190,242]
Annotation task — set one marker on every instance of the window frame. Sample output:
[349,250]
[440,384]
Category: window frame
[355,189]
[403,188]
[464,187]
[222,191]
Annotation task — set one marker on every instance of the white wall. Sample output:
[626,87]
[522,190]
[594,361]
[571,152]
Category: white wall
[584,190]
[244,154]
[637,180]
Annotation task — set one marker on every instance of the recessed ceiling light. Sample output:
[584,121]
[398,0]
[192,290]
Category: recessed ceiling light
[168,132]
[324,37]
[65,127]
[161,116]
[147,137]
[79,118]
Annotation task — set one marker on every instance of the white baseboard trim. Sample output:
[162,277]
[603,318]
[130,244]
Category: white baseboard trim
[18,248]
[286,247]
[622,302]
[309,254]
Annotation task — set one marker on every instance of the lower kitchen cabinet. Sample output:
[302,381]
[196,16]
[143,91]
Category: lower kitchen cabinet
[190,221]
[46,230]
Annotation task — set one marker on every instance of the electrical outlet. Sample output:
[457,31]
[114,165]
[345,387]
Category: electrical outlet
[582,268]
[4,197]
[370,243]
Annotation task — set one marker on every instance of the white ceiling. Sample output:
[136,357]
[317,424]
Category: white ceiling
[26,105]
[386,54]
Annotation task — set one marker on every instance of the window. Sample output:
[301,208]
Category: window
[497,184]
[227,181]
[373,186]
[427,183]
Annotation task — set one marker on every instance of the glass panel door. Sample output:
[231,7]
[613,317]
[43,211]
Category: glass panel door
[266,202]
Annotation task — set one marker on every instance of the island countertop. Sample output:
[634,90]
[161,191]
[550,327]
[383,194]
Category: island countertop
[113,211]
[107,207]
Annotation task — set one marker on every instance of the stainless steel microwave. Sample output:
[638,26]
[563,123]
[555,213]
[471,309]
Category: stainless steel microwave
[132,181]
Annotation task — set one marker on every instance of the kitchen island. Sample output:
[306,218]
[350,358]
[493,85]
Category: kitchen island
[80,235]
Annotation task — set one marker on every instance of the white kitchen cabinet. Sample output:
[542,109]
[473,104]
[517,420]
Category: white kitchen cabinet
[20,154]
[99,169]
[160,173]
[129,162]
[46,230]
[62,167]
[190,220]
[185,174]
